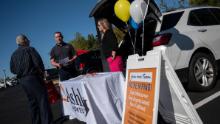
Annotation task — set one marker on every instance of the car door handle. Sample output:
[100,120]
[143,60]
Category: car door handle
[202,30]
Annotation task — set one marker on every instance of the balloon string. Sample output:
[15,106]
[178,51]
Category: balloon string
[135,39]
[146,10]
[131,38]
[143,39]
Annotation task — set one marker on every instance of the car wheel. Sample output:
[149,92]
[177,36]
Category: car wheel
[202,72]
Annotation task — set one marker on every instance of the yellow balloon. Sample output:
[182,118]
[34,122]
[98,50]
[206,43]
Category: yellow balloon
[122,10]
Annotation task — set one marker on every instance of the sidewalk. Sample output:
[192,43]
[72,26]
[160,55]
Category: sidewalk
[14,108]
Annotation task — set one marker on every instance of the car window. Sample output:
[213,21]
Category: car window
[216,14]
[170,20]
[202,17]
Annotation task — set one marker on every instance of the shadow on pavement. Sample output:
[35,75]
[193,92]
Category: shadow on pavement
[14,108]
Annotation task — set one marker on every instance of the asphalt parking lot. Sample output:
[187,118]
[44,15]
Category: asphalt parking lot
[14,106]
[207,104]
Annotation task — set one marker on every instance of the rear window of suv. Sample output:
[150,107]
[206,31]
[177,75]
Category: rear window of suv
[216,14]
[204,17]
[170,20]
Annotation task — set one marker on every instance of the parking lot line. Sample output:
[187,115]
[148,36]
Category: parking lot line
[206,100]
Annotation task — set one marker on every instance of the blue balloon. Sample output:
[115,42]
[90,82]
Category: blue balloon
[133,24]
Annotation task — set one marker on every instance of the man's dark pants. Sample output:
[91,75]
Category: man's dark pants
[38,99]
[68,72]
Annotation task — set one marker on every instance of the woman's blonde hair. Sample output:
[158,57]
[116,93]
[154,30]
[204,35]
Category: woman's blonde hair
[105,23]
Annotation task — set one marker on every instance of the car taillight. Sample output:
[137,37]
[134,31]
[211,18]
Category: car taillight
[161,39]
[81,66]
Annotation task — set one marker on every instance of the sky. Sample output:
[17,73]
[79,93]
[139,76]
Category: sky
[39,19]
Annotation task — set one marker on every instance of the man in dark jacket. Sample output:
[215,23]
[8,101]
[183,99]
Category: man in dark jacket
[27,64]
[62,56]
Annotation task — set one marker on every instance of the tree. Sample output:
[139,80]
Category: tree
[181,3]
[163,6]
[170,5]
[80,42]
[205,2]
[92,42]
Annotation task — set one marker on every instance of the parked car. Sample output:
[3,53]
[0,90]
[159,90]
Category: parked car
[2,85]
[105,9]
[9,82]
[190,38]
[88,61]
[51,75]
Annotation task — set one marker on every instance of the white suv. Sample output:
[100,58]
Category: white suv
[191,40]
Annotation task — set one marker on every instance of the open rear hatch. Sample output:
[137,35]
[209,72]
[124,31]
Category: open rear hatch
[105,9]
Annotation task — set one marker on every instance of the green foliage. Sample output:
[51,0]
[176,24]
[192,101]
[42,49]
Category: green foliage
[92,42]
[80,42]
[205,2]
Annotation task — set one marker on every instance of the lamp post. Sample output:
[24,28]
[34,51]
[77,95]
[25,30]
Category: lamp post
[4,78]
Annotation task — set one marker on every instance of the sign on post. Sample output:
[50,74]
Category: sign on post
[142,91]
[152,86]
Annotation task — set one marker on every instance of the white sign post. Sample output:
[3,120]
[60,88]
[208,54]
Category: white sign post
[142,89]
[174,104]
[151,86]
